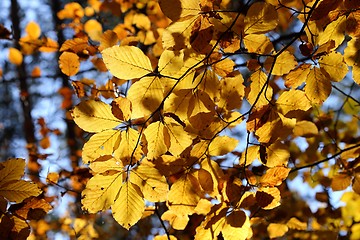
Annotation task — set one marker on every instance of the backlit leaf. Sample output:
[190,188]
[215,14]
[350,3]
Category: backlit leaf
[126,62]
[17,191]
[284,63]
[277,155]
[94,116]
[222,145]
[33,30]
[318,86]
[258,81]
[260,18]
[274,176]
[334,31]
[101,191]
[334,65]
[175,9]
[129,206]
[268,197]
[177,220]
[232,91]
[102,143]
[146,94]
[179,138]
[15,56]
[69,63]
[11,170]
[157,139]
[305,129]
[129,150]
[293,100]
[276,230]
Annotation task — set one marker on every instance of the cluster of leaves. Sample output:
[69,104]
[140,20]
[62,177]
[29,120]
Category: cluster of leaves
[186,75]
[14,217]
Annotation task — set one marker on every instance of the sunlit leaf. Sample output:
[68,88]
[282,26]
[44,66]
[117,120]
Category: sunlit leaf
[334,65]
[15,56]
[94,116]
[237,226]
[277,230]
[222,145]
[175,9]
[157,139]
[33,30]
[274,176]
[69,63]
[318,86]
[293,100]
[126,62]
[268,197]
[17,191]
[260,18]
[129,149]
[129,206]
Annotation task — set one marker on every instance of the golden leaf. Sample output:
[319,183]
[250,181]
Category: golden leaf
[248,156]
[129,150]
[11,170]
[258,43]
[177,219]
[340,182]
[274,176]
[318,86]
[237,226]
[232,91]
[152,184]
[126,62]
[69,63]
[258,80]
[175,9]
[94,116]
[295,223]
[334,65]
[108,39]
[129,206]
[222,145]
[305,129]
[171,62]
[260,18]
[179,138]
[100,144]
[293,100]
[15,56]
[297,76]
[334,31]
[146,96]
[17,191]
[277,155]
[178,103]
[101,191]
[184,194]
[157,138]
[33,30]
[121,107]
[284,63]
[276,230]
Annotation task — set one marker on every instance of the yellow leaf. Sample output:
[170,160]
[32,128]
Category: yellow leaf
[268,197]
[178,103]
[224,67]
[170,62]
[179,138]
[11,170]
[216,175]
[69,63]
[203,207]
[356,184]
[284,63]
[94,116]
[295,223]
[276,230]
[260,18]
[305,129]
[33,30]
[334,31]
[208,82]
[352,53]
[318,86]
[232,91]
[94,29]
[334,65]
[146,96]
[129,206]
[157,140]
[175,9]
[49,45]
[293,100]
[126,62]
[152,184]
[17,191]
[129,150]
[184,194]
[201,110]
[142,21]
[121,107]
[258,80]
[356,74]
[15,56]
[102,143]
[101,191]
[258,43]
[297,76]
[177,219]
[247,157]
[274,176]
[106,165]
[277,155]
[237,226]
[71,10]
[222,145]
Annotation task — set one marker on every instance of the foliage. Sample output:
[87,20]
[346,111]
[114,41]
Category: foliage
[186,77]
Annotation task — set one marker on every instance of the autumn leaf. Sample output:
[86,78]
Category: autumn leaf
[11,187]
[15,56]
[222,145]
[126,62]
[175,9]
[318,86]
[158,140]
[129,206]
[260,18]
[94,116]
[69,63]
